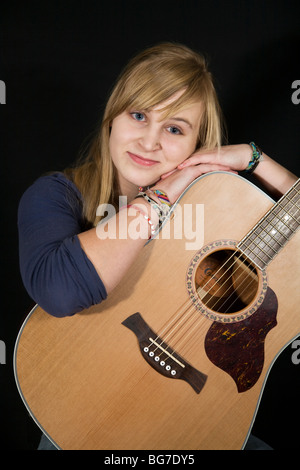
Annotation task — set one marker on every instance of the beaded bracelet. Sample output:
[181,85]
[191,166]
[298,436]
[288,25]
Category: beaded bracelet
[152,227]
[158,209]
[162,209]
[255,159]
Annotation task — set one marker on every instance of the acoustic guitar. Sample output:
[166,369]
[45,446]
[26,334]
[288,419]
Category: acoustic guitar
[178,355]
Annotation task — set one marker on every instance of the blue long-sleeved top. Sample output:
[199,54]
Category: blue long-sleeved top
[55,270]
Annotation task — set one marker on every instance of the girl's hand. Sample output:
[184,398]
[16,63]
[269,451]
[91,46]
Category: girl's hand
[236,157]
[232,158]
[176,181]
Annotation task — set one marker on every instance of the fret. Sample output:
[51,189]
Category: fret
[257,255]
[290,197]
[277,229]
[288,219]
[274,230]
[267,239]
[290,212]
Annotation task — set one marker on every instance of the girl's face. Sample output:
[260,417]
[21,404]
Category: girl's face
[143,146]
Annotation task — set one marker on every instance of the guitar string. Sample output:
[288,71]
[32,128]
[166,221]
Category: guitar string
[184,318]
[194,326]
[189,301]
[243,290]
[246,287]
[191,343]
[273,212]
[258,236]
[198,317]
[231,275]
[250,268]
[234,253]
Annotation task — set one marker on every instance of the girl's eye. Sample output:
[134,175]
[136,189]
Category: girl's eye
[174,130]
[138,116]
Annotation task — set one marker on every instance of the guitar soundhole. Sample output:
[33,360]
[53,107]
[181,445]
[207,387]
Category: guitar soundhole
[226,282]
[223,284]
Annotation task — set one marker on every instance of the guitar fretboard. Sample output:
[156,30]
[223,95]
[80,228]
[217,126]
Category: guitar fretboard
[274,230]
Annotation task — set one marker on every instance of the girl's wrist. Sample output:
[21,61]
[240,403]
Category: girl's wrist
[255,157]
[158,202]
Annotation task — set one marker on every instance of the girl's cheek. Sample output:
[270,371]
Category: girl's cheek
[178,154]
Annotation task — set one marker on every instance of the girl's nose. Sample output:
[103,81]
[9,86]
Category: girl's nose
[150,139]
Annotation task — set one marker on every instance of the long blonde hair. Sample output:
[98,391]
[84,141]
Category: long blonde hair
[149,79]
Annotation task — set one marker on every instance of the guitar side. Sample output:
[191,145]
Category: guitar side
[84,379]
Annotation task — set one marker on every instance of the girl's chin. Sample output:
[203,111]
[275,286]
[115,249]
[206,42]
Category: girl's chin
[143,180]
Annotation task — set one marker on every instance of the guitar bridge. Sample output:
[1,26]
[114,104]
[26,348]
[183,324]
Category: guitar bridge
[162,357]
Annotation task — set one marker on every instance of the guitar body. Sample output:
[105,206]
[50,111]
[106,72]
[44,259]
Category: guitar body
[86,381]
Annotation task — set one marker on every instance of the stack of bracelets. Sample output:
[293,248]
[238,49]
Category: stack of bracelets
[160,204]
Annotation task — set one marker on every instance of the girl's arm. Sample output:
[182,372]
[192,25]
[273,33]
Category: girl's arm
[276,179]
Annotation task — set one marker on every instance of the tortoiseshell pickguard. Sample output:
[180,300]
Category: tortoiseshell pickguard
[238,348]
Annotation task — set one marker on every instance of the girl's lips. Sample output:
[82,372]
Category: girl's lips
[141,160]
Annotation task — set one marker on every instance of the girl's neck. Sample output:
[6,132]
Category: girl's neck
[128,189]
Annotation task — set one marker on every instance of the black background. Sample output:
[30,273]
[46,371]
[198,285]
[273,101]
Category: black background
[59,60]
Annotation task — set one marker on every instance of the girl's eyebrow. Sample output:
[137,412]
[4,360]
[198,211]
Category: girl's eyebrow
[174,118]
[182,120]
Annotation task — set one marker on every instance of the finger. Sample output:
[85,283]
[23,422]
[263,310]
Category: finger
[196,160]
[207,168]
[165,175]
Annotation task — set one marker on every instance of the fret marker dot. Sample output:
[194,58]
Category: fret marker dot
[286,217]
[273,231]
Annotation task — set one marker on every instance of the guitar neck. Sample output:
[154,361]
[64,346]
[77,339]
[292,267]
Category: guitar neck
[274,230]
